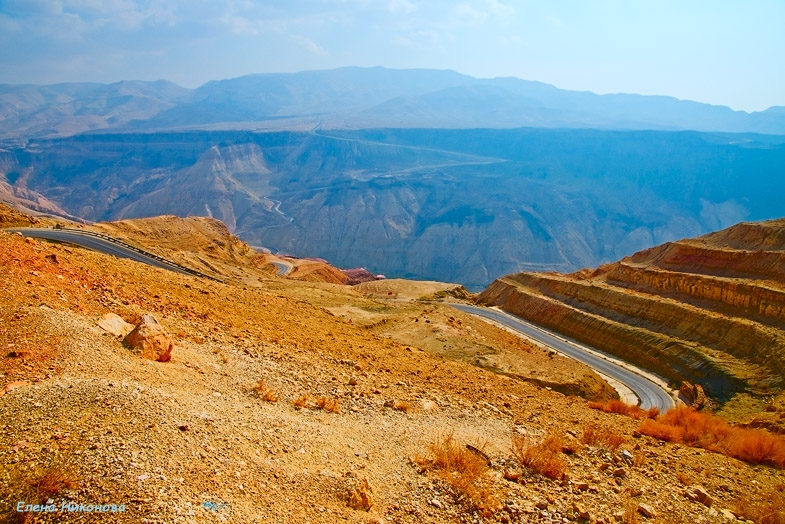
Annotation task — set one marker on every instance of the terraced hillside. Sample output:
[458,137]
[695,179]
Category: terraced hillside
[709,310]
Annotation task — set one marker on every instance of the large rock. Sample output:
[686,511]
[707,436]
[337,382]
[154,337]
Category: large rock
[150,340]
[692,395]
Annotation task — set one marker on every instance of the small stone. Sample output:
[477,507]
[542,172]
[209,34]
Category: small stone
[646,511]
[699,493]
[428,405]
[352,381]
[512,476]
[115,325]
[619,472]
[582,486]
[727,514]
[360,496]
[581,511]
[183,427]
[541,504]
[435,503]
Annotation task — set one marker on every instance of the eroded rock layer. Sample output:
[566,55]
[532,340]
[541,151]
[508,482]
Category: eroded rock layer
[709,310]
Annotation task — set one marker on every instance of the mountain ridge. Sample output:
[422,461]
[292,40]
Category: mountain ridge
[354,98]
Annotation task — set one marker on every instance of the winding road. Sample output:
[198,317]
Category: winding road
[649,393]
[106,245]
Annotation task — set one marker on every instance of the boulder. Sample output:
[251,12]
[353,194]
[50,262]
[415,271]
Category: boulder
[115,325]
[149,340]
[692,395]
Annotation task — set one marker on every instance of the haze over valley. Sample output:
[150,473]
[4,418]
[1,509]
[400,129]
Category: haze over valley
[448,201]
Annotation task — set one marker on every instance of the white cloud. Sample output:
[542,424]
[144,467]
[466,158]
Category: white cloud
[309,45]
[555,21]
[401,6]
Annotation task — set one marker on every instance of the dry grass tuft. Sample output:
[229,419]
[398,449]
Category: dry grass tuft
[267,394]
[463,470]
[301,402]
[601,436]
[43,485]
[622,408]
[687,426]
[328,404]
[684,478]
[52,482]
[630,512]
[764,508]
[402,406]
[544,458]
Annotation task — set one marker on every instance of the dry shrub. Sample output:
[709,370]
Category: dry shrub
[630,512]
[463,470]
[601,436]
[52,482]
[43,485]
[267,394]
[764,508]
[544,458]
[622,408]
[685,425]
[684,478]
[301,402]
[328,404]
[402,406]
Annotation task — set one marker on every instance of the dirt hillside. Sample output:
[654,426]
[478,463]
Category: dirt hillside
[347,423]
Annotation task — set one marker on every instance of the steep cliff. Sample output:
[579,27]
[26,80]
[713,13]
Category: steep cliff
[709,310]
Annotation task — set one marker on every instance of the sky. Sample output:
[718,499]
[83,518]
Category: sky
[715,51]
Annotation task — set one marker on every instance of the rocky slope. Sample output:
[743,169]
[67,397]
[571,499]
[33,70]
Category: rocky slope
[709,310]
[338,429]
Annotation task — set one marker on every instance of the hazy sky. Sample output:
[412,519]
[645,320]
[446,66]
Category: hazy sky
[717,51]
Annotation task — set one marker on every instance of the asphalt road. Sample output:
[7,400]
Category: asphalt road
[96,244]
[649,393]
[283,269]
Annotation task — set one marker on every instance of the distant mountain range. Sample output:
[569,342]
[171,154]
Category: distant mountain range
[354,98]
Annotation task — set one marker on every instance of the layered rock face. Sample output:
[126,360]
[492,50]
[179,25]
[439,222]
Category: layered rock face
[709,310]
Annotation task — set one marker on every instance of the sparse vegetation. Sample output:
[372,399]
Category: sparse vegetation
[267,394]
[544,458]
[684,478]
[328,404]
[630,515]
[462,469]
[687,426]
[766,508]
[400,405]
[622,408]
[301,402]
[36,489]
[602,436]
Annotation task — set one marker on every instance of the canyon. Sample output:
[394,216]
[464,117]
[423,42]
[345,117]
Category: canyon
[464,206]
